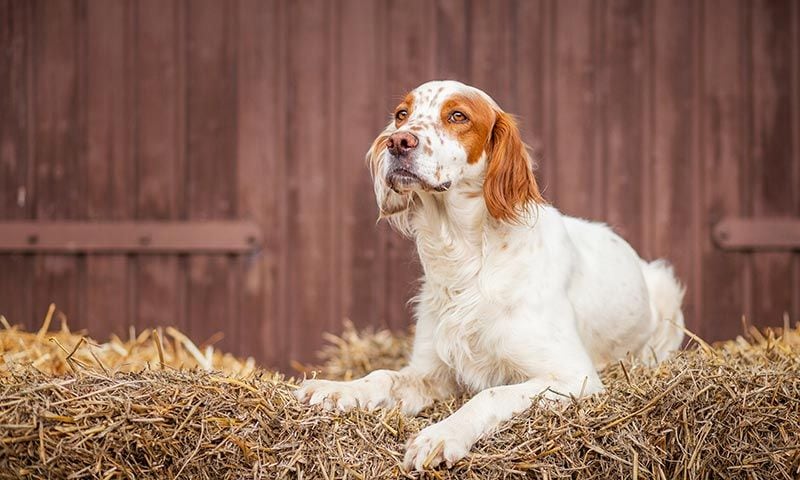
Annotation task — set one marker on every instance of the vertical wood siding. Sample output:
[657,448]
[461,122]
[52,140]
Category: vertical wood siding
[659,117]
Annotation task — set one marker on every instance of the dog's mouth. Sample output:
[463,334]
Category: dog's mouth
[400,179]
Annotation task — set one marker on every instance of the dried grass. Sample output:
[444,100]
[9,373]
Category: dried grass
[63,351]
[356,353]
[727,411]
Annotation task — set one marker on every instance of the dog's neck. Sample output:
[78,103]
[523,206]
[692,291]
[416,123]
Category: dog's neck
[453,227]
[460,212]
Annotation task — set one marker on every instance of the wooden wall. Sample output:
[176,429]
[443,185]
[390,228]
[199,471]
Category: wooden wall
[659,117]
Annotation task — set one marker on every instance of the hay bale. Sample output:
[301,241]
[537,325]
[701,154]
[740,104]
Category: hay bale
[355,354]
[62,351]
[728,411]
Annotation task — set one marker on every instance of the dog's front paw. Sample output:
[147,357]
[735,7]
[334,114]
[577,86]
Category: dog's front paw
[338,395]
[441,442]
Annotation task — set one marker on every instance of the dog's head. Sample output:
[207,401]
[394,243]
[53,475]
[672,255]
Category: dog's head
[444,134]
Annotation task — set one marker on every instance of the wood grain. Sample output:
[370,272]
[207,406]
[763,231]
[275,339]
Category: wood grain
[672,186]
[795,59]
[660,117]
[15,186]
[623,118]
[453,37]
[311,181]
[211,163]
[111,179]
[722,154]
[97,237]
[531,74]
[573,150]
[261,184]
[160,146]
[492,28]
[59,147]
[771,155]
[363,109]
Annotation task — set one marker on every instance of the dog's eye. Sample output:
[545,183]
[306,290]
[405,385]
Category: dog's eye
[457,117]
[401,115]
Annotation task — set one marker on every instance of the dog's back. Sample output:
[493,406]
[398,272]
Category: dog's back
[623,304]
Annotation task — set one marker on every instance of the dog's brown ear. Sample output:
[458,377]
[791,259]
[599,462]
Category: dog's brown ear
[509,184]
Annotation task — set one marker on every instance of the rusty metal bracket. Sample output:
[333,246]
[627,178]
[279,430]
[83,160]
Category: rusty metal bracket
[129,237]
[782,233]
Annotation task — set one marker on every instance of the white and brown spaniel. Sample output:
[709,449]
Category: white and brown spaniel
[518,301]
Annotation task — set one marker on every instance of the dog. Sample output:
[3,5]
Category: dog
[518,302]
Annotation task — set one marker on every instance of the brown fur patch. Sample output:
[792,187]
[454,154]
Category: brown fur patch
[474,133]
[408,105]
[509,184]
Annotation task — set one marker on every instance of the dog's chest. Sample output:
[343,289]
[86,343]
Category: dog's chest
[473,337]
[471,294]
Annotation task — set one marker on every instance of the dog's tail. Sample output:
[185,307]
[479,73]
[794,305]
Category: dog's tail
[666,297]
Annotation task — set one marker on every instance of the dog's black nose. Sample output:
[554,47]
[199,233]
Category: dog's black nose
[401,143]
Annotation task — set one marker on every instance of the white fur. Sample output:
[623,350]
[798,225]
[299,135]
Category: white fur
[509,311]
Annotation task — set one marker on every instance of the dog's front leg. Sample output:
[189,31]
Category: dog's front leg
[411,388]
[451,439]
[425,380]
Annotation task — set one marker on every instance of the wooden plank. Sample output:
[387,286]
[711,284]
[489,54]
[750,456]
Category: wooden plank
[531,54]
[758,233]
[59,133]
[671,155]
[110,182]
[311,227]
[410,63]
[576,98]
[623,125]
[211,161]
[491,38]
[721,154]
[13,109]
[282,268]
[15,280]
[795,314]
[599,94]
[260,179]
[771,154]
[197,237]
[648,132]
[362,106]
[336,23]
[160,140]
[697,168]
[379,264]
[452,39]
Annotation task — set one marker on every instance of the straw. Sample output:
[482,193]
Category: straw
[729,410]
